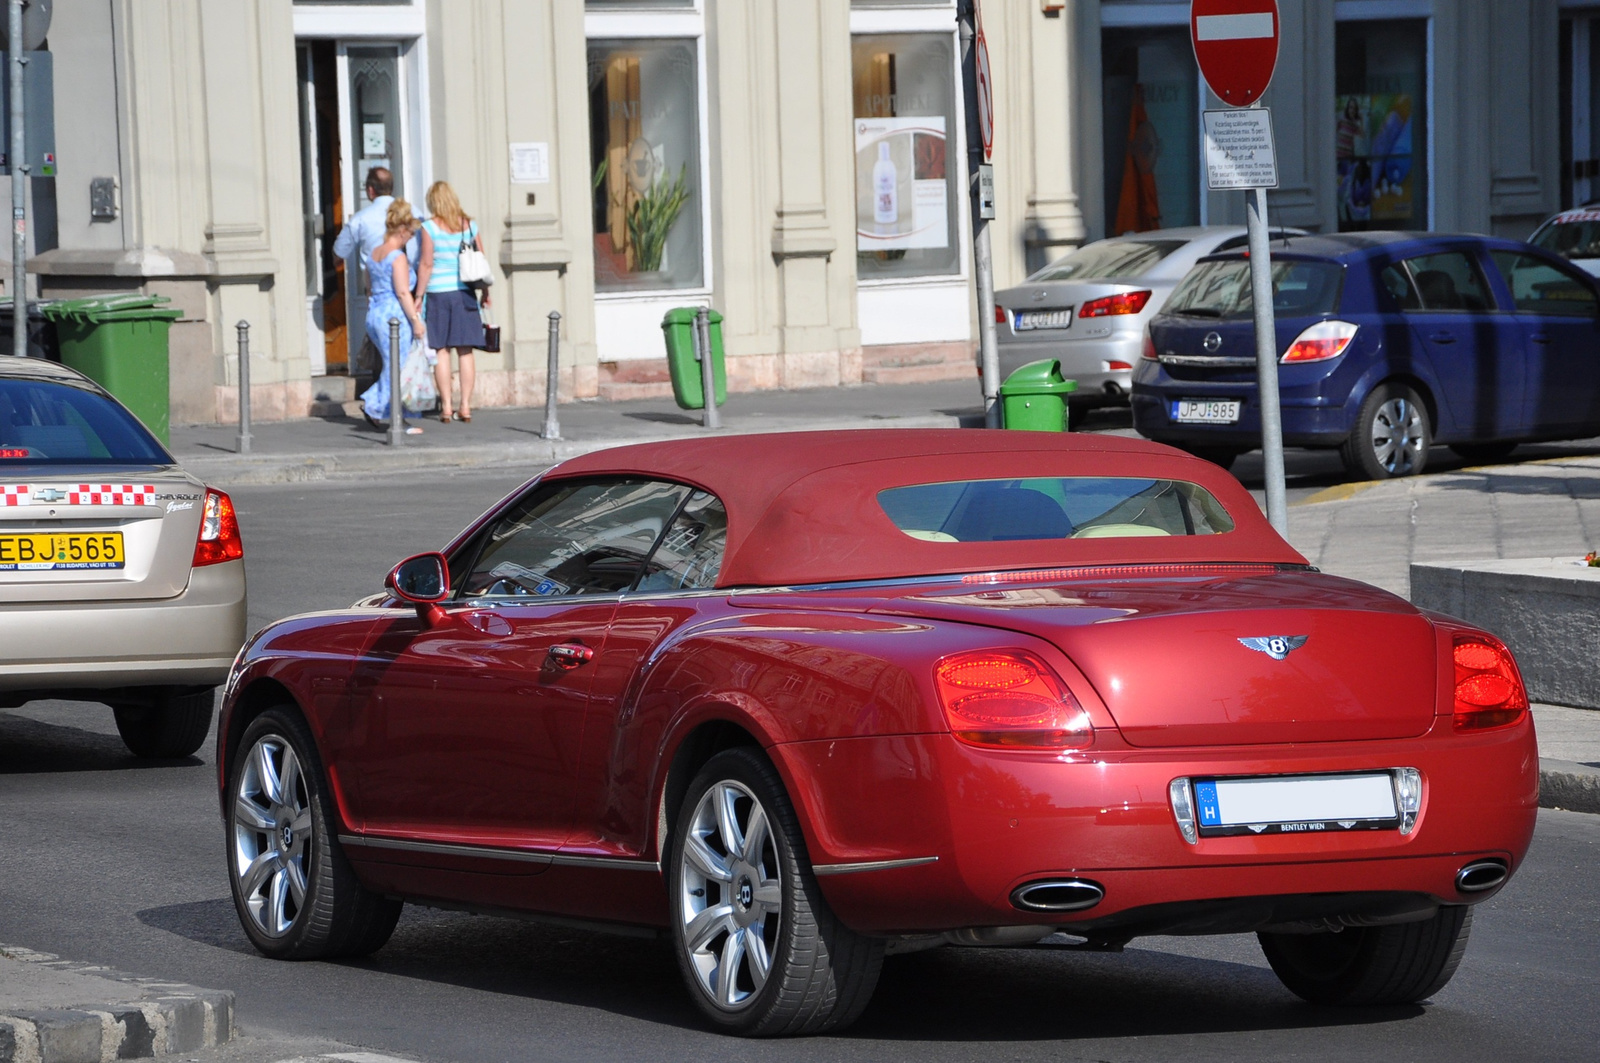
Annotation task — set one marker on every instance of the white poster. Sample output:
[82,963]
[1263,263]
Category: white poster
[902,195]
[530,163]
[374,138]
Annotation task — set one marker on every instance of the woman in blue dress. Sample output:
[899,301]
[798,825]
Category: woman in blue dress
[392,281]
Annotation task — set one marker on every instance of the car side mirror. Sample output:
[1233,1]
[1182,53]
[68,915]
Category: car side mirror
[424,581]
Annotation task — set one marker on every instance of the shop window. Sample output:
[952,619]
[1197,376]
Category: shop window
[1381,146]
[907,203]
[1152,130]
[645,164]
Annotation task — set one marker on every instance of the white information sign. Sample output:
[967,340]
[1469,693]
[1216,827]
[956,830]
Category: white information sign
[530,163]
[1239,152]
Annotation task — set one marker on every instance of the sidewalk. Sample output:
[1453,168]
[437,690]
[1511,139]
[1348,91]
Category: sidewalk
[314,449]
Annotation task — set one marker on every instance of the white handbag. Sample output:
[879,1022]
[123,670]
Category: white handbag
[472,264]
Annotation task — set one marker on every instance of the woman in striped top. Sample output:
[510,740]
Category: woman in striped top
[450,307]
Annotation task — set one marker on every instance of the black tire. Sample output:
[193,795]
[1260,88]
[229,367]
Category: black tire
[820,974]
[335,916]
[173,726]
[1222,457]
[1391,436]
[1401,964]
[1483,453]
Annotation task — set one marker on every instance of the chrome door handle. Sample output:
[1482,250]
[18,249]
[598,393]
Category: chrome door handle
[1539,337]
[1443,337]
[569,655]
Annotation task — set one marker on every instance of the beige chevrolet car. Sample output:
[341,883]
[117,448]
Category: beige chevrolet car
[121,576]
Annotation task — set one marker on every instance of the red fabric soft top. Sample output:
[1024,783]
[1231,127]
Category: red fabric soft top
[802,506]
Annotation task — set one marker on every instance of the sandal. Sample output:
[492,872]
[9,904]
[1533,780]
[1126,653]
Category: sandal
[444,418]
[465,418]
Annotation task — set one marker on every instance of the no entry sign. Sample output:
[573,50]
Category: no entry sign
[1236,45]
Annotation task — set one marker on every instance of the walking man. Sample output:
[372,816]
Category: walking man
[362,232]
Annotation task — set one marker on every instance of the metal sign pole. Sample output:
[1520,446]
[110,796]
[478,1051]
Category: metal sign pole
[1267,361]
[982,211]
[397,409]
[708,374]
[19,186]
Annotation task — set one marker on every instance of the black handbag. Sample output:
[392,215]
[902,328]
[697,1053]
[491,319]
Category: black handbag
[491,333]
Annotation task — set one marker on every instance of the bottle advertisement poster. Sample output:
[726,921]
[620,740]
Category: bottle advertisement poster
[902,194]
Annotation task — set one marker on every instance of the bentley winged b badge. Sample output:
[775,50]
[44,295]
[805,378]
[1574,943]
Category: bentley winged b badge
[1276,646]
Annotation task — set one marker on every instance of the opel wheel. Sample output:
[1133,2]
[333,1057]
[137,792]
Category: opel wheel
[1391,435]
[294,890]
[761,951]
[1400,964]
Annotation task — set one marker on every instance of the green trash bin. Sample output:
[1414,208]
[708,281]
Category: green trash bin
[120,342]
[1034,398]
[687,388]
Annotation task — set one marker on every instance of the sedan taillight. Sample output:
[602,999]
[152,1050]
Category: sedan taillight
[219,538]
[1000,315]
[1489,690]
[1324,340]
[1006,699]
[1114,305]
[1149,351]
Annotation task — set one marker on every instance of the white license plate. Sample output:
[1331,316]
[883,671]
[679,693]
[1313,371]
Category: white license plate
[1205,411]
[1029,320]
[1296,804]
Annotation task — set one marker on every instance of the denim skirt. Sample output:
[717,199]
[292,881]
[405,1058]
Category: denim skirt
[452,319]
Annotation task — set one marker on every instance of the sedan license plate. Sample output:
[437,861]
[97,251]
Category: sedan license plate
[1029,320]
[46,551]
[1296,804]
[1205,411]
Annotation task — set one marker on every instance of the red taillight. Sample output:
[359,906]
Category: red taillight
[1003,699]
[1324,340]
[1000,315]
[1113,305]
[219,538]
[1117,366]
[1149,351]
[1489,690]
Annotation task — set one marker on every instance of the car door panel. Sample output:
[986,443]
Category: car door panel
[1559,314]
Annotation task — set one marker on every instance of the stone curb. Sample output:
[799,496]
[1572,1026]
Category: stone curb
[230,470]
[1564,784]
[156,1019]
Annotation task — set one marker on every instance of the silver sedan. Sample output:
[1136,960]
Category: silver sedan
[121,575]
[1089,308]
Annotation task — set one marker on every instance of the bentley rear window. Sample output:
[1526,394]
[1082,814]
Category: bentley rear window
[1066,507]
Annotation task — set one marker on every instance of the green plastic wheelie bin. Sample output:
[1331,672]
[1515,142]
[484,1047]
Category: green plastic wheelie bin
[687,388]
[1034,398]
[120,342]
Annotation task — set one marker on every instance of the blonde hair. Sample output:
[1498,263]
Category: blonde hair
[399,217]
[445,207]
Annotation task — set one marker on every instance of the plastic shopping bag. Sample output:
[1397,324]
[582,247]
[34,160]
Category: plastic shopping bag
[417,389]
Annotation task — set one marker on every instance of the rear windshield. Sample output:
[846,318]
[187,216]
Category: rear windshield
[43,422]
[1574,236]
[1109,260]
[1222,289]
[1065,507]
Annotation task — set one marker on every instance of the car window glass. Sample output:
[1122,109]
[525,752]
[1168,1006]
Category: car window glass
[1108,260]
[50,423]
[1222,289]
[1075,507]
[582,537]
[690,554]
[1449,280]
[1572,236]
[1397,283]
[1537,287]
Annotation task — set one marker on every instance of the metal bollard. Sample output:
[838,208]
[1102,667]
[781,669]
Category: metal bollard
[552,381]
[397,409]
[243,445]
[709,417]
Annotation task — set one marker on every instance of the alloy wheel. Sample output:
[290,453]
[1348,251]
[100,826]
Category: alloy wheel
[271,835]
[732,896]
[1398,436]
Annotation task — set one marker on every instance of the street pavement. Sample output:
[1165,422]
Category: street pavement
[118,862]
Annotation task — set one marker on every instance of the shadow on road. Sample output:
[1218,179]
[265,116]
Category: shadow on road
[32,747]
[211,923]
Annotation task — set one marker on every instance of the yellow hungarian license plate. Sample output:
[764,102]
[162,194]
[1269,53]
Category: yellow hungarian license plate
[43,551]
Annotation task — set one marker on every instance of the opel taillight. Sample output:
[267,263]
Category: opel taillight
[219,538]
[1149,351]
[1324,340]
[1113,305]
[1006,699]
[1489,690]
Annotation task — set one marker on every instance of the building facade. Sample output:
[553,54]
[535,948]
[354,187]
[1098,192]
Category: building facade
[798,165]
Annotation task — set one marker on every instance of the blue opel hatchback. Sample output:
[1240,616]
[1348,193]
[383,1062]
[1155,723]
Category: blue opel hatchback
[1391,342]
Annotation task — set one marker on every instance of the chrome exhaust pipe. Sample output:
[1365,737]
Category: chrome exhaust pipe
[1058,895]
[1481,875]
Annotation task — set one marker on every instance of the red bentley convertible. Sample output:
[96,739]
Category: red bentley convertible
[801,700]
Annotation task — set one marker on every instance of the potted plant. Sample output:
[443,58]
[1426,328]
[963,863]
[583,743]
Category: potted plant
[651,219]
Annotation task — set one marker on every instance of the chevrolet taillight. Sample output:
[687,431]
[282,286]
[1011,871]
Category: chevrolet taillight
[219,538]
[1489,691]
[1114,305]
[1000,315]
[1007,699]
[1324,340]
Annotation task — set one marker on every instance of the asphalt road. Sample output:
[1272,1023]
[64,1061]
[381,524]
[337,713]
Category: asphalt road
[111,860]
